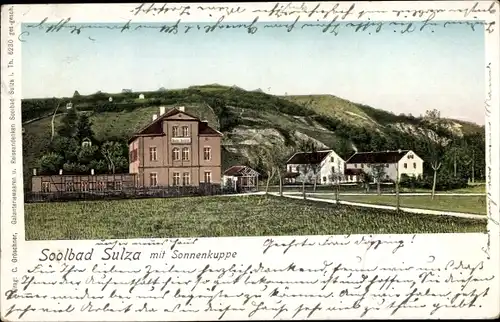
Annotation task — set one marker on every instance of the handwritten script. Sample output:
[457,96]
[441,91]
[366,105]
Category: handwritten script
[226,288]
[326,17]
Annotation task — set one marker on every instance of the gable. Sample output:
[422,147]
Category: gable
[179,115]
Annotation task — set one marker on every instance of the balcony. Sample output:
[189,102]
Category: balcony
[180,140]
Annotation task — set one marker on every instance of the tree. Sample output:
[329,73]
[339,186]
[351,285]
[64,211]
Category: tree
[434,147]
[113,153]
[76,94]
[378,172]
[366,178]
[336,176]
[68,124]
[87,154]
[261,155]
[66,147]
[278,158]
[84,128]
[50,163]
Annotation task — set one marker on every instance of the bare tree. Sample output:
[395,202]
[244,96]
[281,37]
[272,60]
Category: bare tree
[366,178]
[336,176]
[433,145]
[305,171]
[378,171]
[263,155]
[278,158]
[397,187]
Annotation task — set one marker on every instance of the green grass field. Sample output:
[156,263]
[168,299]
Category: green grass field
[224,216]
[464,204]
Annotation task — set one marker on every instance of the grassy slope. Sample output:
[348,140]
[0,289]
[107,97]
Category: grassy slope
[224,216]
[333,106]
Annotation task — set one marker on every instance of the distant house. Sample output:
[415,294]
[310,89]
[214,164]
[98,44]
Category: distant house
[141,96]
[325,161]
[400,161]
[241,178]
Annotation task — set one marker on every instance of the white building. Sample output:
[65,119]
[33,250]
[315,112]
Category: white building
[324,161]
[141,96]
[394,162]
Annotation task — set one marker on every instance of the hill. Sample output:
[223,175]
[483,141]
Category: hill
[246,118]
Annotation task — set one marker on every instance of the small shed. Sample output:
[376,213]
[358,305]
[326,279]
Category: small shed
[141,96]
[241,178]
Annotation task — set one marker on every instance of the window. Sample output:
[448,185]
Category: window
[175,131]
[414,165]
[355,165]
[405,165]
[69,186]
[185,179]
[207,153]
[185,154]
[118,185]
[324,179]
[133,155]
[185,131]
[177,178]
[387,176]
[45,186]
[362,165]
[208,176]
[152,153]
[153,179]
[387,165]
[332,159]
[85,186]
[176,154]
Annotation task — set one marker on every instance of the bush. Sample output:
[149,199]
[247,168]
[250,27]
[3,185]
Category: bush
[443,182]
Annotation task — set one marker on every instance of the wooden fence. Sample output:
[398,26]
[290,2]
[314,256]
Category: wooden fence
[129,193]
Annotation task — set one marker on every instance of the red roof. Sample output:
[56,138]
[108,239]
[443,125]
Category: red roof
[155,128]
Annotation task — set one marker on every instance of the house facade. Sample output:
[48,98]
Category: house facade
[393,163]
[175,149]
[324,161]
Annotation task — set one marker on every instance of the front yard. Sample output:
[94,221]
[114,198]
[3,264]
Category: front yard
[224,216]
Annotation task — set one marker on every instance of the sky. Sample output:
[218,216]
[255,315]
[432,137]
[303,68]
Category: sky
[439,67]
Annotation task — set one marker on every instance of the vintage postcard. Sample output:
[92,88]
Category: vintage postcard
[250,161]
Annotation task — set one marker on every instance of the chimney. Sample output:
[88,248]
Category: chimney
[181,108]
[162,110]
[91,172]
[155,117]
[60,172]
[34,172]
[399,150]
